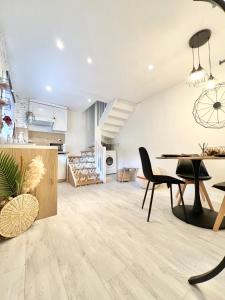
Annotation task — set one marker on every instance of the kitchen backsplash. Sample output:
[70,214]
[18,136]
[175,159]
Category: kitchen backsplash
[45,138]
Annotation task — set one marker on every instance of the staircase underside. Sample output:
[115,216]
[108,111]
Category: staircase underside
[115,118]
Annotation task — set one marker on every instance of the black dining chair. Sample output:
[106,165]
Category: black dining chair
[158,179]
[186,172]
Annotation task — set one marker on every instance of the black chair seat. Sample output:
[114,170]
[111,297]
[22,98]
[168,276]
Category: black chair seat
[192,177]
[220,186]
[167,179]
[185,170]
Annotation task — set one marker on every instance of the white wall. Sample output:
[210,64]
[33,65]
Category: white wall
[165,124]
[75,136]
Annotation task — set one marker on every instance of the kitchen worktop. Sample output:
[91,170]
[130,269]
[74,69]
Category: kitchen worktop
[63,152]
[32,146]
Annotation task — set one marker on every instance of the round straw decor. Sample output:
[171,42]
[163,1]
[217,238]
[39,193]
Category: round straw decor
[18,215]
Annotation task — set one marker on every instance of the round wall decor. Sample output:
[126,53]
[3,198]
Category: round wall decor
[209,109]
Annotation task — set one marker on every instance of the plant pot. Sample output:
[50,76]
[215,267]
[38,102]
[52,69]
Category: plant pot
[18,215]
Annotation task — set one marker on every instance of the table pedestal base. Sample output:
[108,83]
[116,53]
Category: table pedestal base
[204,220]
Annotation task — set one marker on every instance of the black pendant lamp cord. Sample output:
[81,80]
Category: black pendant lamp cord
[199,60]
[210,63]
[193,58]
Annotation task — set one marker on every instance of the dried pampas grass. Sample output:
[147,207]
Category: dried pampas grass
[33,175]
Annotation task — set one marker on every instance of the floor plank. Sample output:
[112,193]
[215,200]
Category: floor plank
[100,247]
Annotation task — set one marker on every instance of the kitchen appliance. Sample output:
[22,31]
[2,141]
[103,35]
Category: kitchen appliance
[62,161]
[111,162]
[61,147]
[62,166]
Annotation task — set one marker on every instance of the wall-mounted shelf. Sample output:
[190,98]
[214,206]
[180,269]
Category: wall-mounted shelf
[4,85]
[3,102]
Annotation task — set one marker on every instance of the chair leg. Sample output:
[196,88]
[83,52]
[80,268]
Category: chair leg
[202,193]
[178,193]
[150,204]
[182,190]
[206,195]
[171,196]
[220,216]
[146,192]
[182,200]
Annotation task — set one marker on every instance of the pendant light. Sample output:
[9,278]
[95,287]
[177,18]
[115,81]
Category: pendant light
[202,75]
[198,76]
[211,84]
[192,76]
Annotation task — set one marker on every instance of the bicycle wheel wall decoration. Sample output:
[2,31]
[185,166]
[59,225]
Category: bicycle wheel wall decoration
[209,109]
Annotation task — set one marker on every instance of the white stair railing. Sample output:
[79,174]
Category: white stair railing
[100,155]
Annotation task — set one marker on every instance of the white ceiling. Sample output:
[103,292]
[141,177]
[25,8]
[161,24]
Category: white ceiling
[122,36]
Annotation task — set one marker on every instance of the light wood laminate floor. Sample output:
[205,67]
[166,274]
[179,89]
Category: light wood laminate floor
[100,247]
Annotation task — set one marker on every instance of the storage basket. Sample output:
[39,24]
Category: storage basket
[126,175]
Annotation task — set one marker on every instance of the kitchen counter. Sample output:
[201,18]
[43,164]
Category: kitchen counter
[63,152]
[32,146]
[46,192]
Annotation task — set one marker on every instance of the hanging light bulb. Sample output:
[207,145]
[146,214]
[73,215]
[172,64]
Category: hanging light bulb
[197,76]
[193,74]
[211,84]
[201,75]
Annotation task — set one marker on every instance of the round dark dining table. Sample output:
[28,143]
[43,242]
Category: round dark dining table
[197,215]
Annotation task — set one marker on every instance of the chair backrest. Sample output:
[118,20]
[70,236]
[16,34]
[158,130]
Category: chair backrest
[146,164]
[185,168]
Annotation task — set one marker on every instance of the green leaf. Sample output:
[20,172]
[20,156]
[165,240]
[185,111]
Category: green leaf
[10,175]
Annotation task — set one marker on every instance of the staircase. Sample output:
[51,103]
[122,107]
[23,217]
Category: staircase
[82,169]
[90,167]
[114,118]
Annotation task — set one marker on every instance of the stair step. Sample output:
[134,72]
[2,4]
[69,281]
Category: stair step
[108,134]
[82,162]
[115,113]
[124,106]
[89,182]
[83,169]
[114,121]
[111,128]
[87,151]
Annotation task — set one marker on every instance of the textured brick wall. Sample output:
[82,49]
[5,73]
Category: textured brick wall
[3,61]
[3,56]
[21,108]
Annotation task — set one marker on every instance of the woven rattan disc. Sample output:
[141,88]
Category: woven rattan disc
[18,215]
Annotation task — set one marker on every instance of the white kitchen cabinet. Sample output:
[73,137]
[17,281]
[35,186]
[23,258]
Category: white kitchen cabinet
[50,115]
[60,119]
[41,110]
[62,167]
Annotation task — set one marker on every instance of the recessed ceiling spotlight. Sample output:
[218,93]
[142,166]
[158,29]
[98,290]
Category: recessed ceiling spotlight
[60,44]
[151,67]
[89,60]
[48,88]
[89,100]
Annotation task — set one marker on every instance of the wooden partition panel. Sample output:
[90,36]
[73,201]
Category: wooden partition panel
[46,192]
